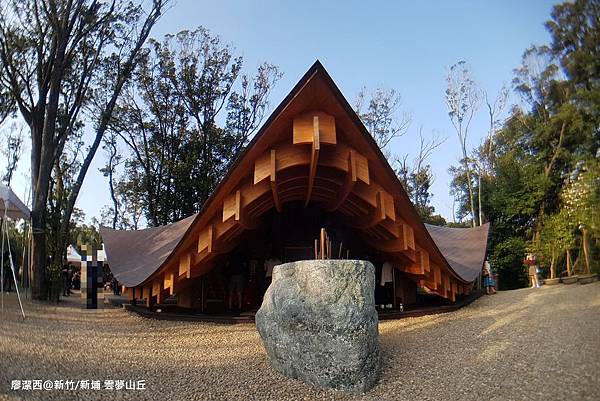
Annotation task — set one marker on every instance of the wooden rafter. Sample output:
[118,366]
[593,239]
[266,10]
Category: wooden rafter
[206,240]
[376,216]
[349,183]
[273,182]
[314,159]
[169,281]
[241,215]
[184,265]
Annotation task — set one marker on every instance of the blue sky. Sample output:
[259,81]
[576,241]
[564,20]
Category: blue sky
[408,46]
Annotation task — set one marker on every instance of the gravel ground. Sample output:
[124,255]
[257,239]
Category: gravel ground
[530,344]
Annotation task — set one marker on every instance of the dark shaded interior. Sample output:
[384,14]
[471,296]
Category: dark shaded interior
[290,236]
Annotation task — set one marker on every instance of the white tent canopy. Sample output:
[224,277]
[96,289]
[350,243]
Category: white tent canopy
[11,205]
[72,255]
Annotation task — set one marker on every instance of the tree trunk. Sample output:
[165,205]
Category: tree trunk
[471,197]
[40,180]
[586,252]
[553,265]
[569,269]
[479,197]
[38,251]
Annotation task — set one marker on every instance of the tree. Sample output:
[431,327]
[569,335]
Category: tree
[462,99]
[417,177]
[556,238]
[109,170]
[495,109]
[12,151]
[168,121]
[378,111]
[581,198]
[553,130]
[507,258]
[52,55]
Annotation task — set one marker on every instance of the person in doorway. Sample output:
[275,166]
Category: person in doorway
[236,284]
[269,264]
[387,282]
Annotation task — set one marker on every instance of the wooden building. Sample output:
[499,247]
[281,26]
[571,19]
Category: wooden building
[312,165]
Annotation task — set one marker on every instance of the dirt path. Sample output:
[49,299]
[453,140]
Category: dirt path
[534,344]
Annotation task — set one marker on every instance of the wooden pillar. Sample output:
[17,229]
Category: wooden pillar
[148,292]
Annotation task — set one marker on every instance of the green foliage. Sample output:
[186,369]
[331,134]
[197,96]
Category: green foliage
[581,196]
[556,237]
[177,152]
[11,147]
[507,260]
[523,188]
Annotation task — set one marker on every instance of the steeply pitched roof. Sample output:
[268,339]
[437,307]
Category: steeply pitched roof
[316,90]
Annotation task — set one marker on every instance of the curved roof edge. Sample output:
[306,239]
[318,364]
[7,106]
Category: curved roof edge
[133,255]
[463,248]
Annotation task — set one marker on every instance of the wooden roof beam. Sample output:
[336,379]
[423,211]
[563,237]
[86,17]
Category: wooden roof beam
[169,282]
[273,182]
[241,215]
[206,240]
[376,216]
[233,206]
[408,236]
[314,159]
[184,265]
[350,181]
[430,281]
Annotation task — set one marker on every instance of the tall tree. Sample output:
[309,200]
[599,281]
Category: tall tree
[52,54]
[379,111]
[168,121]
[417,177]
[109,170]
[462,100]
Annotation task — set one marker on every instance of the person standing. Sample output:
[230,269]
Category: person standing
[269,264]
[236,283]
[488,278]
[532,270]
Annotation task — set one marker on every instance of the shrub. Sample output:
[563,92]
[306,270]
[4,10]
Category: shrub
[507,261]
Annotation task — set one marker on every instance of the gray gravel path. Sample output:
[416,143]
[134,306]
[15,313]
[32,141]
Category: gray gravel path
[530,344]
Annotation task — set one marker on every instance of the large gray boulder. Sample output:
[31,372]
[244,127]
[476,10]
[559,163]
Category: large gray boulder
[318,323]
